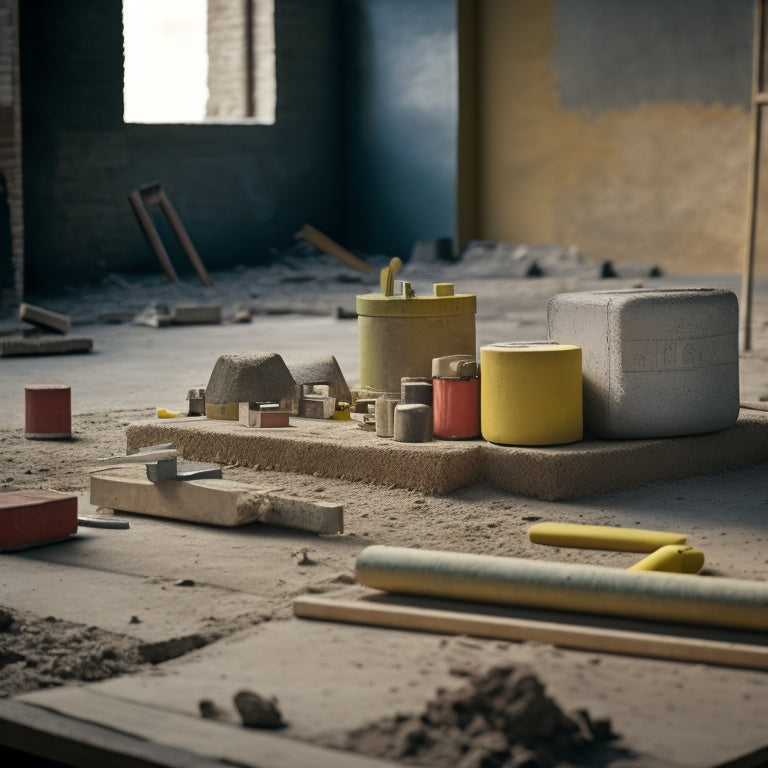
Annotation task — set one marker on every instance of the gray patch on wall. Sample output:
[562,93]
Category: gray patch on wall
[618,55]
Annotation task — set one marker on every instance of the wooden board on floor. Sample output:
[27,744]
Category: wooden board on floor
[213,501]
[748,650]
[106,730]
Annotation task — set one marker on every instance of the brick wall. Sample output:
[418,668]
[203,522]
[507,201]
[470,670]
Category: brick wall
[240,190]
[227,57]
[11,206]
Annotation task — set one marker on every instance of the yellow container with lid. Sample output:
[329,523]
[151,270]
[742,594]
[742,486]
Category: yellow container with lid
[401,334]
[530,393]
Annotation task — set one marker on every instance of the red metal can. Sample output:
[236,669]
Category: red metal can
[48,411]
[455,397]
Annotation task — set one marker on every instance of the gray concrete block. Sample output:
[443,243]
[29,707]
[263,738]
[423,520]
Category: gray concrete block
[317,407]
[656,363]
[417,392]
[385,416]
[45,344]
[196,314]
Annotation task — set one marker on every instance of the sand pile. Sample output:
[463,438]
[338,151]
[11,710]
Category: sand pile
[499,719]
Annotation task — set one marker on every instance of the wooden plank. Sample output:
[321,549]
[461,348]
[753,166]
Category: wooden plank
[586,638]
[201,738]
[332,248]
[184,239]
[753,179]
[212,501]
[44,318]
[52,736]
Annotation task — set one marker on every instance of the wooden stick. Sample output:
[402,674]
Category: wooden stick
[154,239]
[755,130]
[510,628]
[183,238]
[332,248]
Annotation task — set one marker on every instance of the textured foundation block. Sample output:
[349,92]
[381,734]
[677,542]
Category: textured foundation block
[342,450]
[656,363]
[28,518]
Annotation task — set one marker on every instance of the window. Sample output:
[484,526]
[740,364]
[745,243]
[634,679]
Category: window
[199,61]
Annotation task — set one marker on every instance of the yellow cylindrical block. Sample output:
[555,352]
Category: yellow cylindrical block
[530,393]
[400,336]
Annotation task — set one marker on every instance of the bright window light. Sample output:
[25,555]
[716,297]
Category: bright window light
[166,61]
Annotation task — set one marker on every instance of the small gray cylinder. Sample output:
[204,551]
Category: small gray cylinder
[413,423]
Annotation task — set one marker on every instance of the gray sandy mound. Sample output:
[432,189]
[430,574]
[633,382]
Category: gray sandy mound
[499,719]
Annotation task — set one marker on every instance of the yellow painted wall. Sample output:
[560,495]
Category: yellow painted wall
[661,183]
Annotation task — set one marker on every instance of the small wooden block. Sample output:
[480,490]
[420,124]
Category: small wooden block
[28,518]
[317,407]
[44,318]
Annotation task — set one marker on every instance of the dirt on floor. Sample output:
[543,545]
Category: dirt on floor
[476,724]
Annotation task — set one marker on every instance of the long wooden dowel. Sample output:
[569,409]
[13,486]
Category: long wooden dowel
[516,629]
[332,248]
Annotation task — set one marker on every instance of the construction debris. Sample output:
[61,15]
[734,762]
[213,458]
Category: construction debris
[499,718]
[257,712]
[213,501]
[332,248]
[44,318]
[178,469]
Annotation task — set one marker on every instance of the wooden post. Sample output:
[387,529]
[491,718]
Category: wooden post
[758,100]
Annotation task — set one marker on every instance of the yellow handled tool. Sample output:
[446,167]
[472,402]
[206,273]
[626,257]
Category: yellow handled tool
[672,558]
[602,537]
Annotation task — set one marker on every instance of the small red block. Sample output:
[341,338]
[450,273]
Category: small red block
[34,517]
[269,419]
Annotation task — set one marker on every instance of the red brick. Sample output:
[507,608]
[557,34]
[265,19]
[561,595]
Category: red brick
[33,517]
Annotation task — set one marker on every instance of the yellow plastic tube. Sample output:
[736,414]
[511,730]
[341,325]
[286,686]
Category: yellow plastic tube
[530,393]
[566,587]
[602,537]
[672,558]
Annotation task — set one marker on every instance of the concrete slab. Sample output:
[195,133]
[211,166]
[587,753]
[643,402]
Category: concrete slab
[44,344]
[342,450]
[404,673]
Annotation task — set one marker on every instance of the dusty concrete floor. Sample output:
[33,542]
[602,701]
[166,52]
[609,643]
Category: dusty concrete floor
[329,678]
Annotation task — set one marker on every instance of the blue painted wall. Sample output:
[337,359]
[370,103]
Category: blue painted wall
[401,109]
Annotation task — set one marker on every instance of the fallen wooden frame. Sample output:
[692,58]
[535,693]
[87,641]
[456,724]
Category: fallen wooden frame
[447,617]
[153,194]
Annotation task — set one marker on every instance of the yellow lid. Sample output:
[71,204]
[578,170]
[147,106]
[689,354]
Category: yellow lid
[378,305]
